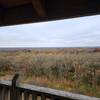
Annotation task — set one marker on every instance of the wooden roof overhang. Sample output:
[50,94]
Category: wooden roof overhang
[13,12]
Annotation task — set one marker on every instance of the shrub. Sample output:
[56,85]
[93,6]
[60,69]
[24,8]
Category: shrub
[5,65]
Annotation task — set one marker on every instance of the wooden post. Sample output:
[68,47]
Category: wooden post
[43,97]
[1,14]
[34,96]
[26,95]
[13,90]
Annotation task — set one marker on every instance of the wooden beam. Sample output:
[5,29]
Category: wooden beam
[55,10]
[39,7]
[13,3]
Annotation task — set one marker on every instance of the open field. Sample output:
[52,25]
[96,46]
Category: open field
[70,69]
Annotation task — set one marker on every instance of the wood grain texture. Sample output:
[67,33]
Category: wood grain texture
[38,5]
[41,91]
[53,10]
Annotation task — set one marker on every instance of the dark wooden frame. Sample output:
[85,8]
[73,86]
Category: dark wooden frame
[55,10]
[12,90]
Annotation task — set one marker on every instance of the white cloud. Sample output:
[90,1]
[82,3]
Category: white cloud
[83,31]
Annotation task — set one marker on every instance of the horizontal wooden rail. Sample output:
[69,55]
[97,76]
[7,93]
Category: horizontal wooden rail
[19,91]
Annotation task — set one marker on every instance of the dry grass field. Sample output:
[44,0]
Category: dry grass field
[69,69]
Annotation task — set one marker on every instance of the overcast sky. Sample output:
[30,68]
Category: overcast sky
[76,32]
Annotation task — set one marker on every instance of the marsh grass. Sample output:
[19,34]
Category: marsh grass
[75,70]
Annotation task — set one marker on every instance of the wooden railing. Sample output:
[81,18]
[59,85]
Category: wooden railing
[12,90]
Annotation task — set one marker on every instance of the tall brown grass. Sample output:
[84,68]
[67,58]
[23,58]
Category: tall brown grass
[74,69]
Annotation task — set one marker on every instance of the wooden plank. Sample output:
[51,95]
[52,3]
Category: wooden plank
[43,97]
[6,94]
[2,93]
[19,94]
[5,83]
[26,95]
[34,96]
[9,94]
[13,94]
[48,91]
[52,98]
[56,93]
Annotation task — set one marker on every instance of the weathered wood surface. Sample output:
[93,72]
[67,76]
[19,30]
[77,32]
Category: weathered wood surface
[54,9]
[43,92]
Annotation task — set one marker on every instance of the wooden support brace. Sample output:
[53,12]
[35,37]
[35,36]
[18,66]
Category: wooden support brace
[39,7]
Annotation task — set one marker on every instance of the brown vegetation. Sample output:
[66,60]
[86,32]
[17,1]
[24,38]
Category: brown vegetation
[75,70]
[97,50]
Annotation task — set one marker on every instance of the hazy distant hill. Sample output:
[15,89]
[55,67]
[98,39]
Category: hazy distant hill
[39,48]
